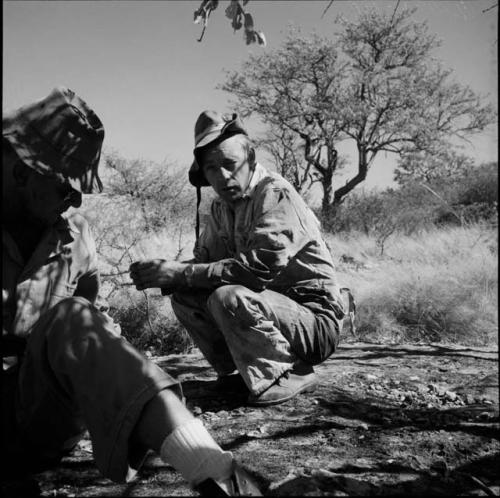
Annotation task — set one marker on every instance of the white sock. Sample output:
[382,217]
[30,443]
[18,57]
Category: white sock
[192,451]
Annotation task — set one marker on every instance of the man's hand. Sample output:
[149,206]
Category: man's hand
[157,273]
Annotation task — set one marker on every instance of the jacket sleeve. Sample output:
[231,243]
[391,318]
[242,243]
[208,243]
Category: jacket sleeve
[276,236]
[88,284]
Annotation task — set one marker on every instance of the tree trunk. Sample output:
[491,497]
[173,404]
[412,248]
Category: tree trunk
[341,192]
[327,184]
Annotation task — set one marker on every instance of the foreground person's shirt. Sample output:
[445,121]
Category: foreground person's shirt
[64,264]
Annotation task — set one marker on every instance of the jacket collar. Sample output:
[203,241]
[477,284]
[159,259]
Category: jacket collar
[259,173]
[65,223]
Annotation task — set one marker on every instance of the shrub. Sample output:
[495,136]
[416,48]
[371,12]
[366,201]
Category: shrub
[145,212]
[468,197]
[439,286]
[148,322]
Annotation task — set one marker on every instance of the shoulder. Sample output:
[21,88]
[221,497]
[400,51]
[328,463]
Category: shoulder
[273,189]
[270,180]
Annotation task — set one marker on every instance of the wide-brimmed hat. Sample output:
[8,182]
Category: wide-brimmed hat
[211,128]
[58,136]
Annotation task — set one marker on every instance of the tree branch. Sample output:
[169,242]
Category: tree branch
[326,9]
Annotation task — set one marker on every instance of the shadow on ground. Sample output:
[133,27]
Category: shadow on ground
[460,481]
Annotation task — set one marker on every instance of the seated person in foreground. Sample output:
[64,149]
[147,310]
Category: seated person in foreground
[65,367]
[260,296]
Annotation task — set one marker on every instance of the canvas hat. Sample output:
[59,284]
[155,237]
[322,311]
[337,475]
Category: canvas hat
[58,136]
[211,127]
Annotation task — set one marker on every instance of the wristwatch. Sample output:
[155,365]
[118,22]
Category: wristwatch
[188,275]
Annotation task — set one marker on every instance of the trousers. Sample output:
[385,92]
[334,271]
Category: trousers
[78,374]
[261,334]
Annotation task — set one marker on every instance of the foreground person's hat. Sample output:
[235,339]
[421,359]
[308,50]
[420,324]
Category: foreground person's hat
[211,128]
[58,136]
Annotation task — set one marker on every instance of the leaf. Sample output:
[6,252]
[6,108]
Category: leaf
[250,36]
[199,15]
[236,24]
[248,22]
[232,9]
[204,11]
[261,39]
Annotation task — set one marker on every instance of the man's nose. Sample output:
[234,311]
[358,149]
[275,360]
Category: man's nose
[225,174]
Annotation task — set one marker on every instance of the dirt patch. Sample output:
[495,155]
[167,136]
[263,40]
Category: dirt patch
[384,420]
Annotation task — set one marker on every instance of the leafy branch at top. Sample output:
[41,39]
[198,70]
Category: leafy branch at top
[239,18]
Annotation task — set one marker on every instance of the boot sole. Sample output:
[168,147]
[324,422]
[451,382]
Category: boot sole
[306,389]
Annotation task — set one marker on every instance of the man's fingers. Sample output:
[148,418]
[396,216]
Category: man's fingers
[144,277]
[144,264]
[147,282]
[135,276]
[145,285]
[135,265]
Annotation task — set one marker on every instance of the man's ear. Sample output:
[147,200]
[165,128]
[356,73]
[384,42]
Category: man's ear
[21,172]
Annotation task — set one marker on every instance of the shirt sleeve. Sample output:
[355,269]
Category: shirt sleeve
[88,284]
[275,237]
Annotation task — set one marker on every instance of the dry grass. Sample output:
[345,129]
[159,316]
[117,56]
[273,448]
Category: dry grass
[438,286]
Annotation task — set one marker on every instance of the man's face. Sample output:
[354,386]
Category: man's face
[46,198]
[227,169]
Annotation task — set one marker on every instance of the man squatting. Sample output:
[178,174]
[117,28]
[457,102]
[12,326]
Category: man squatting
[65,366]
[260,296]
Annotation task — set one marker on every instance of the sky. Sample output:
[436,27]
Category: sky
[139,65]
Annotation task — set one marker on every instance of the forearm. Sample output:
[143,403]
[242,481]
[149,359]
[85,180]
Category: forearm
[224,272]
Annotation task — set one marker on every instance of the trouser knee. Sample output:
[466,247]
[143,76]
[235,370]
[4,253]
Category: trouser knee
[72,319]
[225,297]
[235,302]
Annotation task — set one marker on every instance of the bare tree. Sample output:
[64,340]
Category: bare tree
[375,84]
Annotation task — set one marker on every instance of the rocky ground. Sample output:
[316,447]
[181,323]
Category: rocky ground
[385,420]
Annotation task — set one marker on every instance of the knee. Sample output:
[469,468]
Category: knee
[71,321]
[236,303]
[73,327]
[227,298]
[74,316]
[71,307]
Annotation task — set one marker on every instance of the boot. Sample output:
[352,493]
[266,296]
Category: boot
[301,379]
[232,383]
[239,484]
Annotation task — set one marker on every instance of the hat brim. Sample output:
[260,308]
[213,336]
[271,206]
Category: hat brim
[28,150]
[196,176]
[209,138]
